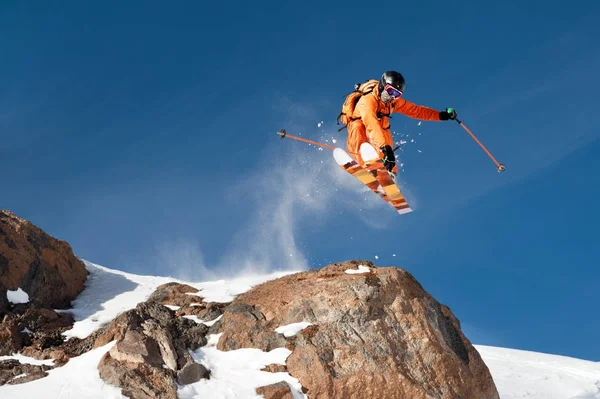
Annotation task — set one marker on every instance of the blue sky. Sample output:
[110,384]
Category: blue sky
[145,136]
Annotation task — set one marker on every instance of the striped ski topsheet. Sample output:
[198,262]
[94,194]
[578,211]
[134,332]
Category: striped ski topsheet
[351,166]
[368,177]
[395,197]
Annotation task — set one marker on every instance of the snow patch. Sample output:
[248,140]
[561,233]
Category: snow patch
[292,329]
[17,296]
[213,339]
[78,378]
[173,307]
[236,373]
[361,269]
[225,291]
[108,293]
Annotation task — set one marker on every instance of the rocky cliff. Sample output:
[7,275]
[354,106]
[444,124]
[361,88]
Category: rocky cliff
[376,334]
[364,331]
[42,266]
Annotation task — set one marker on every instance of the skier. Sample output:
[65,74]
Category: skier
[366,113]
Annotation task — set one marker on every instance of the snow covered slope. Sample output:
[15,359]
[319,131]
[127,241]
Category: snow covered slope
[110,292]
[524,374]
[517,374]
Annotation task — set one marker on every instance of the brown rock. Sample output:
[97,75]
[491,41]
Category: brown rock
[8,370]
[275,368]
[152,347]
[174,294]
[39,331]
[44,267]
[164,340]
[42,320]
[188,370]
[14,372]
[76,346]
[188,333]
[44,340]
[4,304]
[117,328]
[136,347]
[280,390]
[133,319]
[191,372]
[59,355]
[246,326]
[45,327]
[138,380]
[36,373]
[204,311]
[10,337]
[375,335]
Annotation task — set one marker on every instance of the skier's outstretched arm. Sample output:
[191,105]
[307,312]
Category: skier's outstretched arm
[416,111]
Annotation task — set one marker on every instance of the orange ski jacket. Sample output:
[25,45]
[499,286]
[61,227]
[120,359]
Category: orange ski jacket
[374,114]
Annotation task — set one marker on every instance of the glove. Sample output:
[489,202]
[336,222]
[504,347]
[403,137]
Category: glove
[449,113]
[389,159]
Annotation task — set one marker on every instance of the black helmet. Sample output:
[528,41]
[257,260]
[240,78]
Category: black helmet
[394,79]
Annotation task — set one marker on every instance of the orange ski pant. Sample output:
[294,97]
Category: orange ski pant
[357,134]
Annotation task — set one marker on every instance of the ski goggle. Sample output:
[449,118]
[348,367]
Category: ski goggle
[392,91]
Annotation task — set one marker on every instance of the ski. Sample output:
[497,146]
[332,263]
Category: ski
[385,179]
[349,164]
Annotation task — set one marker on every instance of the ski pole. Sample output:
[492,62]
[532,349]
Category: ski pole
[284,134]
[501,167]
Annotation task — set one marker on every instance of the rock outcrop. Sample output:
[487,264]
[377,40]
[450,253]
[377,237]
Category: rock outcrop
[51,275]
[13,372]
[175,294]
[151,355]
[42,266]
[4,304]
[373,335]
[11,340]
[280,390]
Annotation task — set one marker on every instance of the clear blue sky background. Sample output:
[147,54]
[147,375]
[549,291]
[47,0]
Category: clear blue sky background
[144,134]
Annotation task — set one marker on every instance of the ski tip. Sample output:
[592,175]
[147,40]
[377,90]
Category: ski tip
[404,211]
[368,152]
[342,157]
